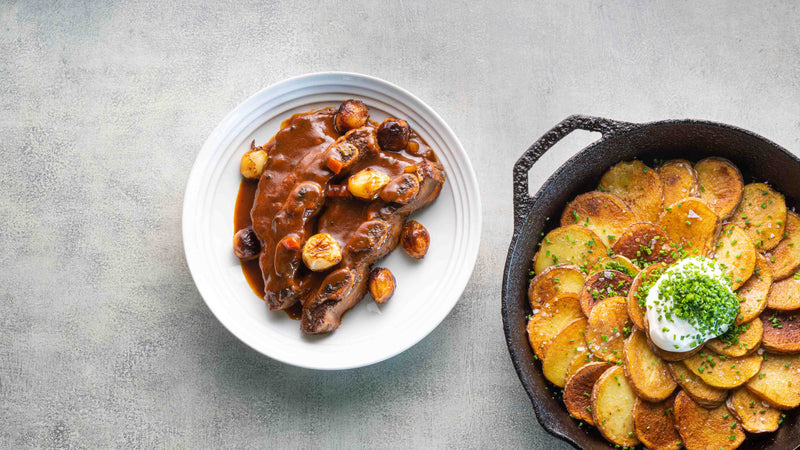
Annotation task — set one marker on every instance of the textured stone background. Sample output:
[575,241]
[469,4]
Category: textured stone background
[104,340]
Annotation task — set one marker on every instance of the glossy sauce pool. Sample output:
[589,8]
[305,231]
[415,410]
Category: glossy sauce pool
[241,219]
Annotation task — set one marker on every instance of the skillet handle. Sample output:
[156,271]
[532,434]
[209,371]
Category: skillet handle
[522,199]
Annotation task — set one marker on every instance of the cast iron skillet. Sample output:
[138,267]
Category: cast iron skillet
[757,158]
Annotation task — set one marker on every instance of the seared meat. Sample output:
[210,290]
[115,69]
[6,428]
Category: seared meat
[373,240]
[347,192]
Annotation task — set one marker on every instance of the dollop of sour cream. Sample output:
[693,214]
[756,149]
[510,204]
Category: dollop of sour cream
[690,304]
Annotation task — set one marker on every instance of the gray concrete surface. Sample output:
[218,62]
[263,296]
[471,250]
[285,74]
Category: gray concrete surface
[104,340]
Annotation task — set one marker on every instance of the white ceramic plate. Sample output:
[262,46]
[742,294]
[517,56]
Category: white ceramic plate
[426,290]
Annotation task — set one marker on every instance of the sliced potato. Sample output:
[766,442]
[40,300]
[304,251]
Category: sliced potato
[753,293]
[612,407]
[647,373]
[679,180]
[567,345]
[720,185]
[740,340]
[620,263]
[605,214]
[692,226]
[554,317]
[581,360]
[755,415]
[578,391]
[781,331]
[784,259]
[644,243]
[655,424]
[723,371]
[602,285]
[638,293]
[553,281]
[785,294]
[571,244]
[762,215]
[608,326]
[699,390]
[638,186]
[703,429]
[736,252]
[778,380]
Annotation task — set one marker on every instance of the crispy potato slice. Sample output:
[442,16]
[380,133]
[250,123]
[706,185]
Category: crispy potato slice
[784,259]
[608,323]
[644,243]
[736,252]
[647,373]
[723,371]
[753,293]
[602,285]
[720,185]
[553,281]
[636,312]
[578,391]
[572,244]
[667,355]
[778,380]
[655,424]
[603,213]
[702,428]
[740,340]
[638,186]
[762,215]
[781,331]
[565,346]
[755,415]
[692,225]
[638,293]
[554,317]
[679,180]
[620,263]
[705,395]
[612,407]
[581,360]
[785,294]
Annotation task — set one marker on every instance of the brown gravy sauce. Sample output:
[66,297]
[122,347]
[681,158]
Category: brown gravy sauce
[250,268]
[241,219]
[296,148]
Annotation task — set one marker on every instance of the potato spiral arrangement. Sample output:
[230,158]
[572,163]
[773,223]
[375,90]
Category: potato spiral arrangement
[589,322]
